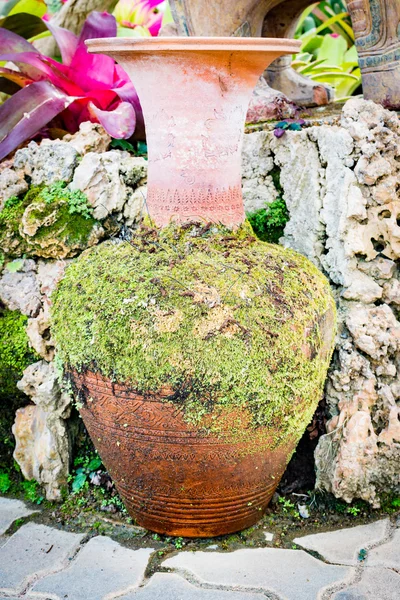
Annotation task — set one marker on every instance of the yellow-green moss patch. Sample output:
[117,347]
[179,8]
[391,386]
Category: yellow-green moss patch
[221,319]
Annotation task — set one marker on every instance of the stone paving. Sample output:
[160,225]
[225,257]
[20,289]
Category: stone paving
[38,562]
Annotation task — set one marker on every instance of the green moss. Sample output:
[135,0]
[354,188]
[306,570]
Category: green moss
[216,319]
[15,356]
[15,352]
[269,222]
[48,221]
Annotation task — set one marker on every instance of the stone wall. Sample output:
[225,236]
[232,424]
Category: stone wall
[341,184]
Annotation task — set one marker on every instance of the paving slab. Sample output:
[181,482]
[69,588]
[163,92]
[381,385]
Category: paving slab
[10,511]
[102,567]
[292,574]
[34,550]
[342,546]
[387,555]
[375,584]
[163,586]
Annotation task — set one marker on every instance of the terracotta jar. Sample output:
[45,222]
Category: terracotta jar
[198,353]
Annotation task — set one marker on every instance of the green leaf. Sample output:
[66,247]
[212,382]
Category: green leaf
[329,22]
[15,265]
[33,7]
[94,464]
[311,43]
[78,482]
[332,50]
[122,145]
[24,24]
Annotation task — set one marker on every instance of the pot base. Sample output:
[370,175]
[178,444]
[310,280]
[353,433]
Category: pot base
[173,478]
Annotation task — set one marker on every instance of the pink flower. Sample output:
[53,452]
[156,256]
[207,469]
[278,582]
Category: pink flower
[83,87]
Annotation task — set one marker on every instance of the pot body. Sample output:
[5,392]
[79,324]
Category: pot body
[174,479]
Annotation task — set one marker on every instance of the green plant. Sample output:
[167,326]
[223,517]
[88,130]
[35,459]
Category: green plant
[328,54]
[178,543]
[269,222]
[77,201]
[5,482]
[87,466]
[353,510]
[32,491]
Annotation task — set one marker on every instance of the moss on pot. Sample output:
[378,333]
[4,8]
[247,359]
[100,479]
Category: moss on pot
[219,319]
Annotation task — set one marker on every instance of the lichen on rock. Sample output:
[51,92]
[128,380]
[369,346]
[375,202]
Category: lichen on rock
[50,222]
[214,318]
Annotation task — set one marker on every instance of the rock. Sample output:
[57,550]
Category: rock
[39,334]
[369,171]
[391,292]
[37,227]
[91,137]
[42,445]
[49,273]
[374,329]
[40,449]
[135,207]
[11,184]
[257,162]
[108,179]
[20,290]
[48,162]
[340,184]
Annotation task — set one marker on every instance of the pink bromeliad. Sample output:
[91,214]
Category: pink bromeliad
[82,87]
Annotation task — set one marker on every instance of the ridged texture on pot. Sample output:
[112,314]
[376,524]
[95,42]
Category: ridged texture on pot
[199,356]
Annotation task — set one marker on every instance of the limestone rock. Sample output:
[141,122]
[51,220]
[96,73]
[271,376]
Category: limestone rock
[11,184]
[340,184]
[39,334]
[48,230]
[20,290]
[375,330]
[107,180]
[49,273]
[258,186]
[91,137]
[135,208]
[42,445]
[48,162]
[41,449]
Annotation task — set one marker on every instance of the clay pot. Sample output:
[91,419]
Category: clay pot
[215,473]
[194,94]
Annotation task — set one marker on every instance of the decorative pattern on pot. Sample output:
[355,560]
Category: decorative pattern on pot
[198,354]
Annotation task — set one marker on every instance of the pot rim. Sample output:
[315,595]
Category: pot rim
[197,44]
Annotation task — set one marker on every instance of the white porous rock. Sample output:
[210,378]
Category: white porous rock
[39,334]
[91,137]
[340,184]
[20,290]
[42,444]
[108,180]
[258,187]
[12,183]
[136,207]
[47,162]
[49,273]
[375,329]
